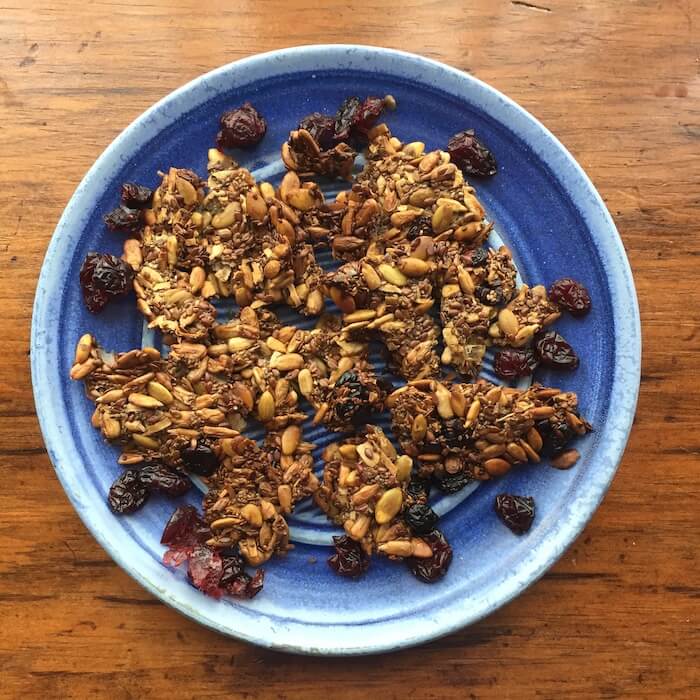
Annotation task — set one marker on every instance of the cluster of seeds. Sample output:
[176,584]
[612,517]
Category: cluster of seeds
[409,234]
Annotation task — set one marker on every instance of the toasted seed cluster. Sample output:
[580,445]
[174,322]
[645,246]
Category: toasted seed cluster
[254,489]
[364,490]
[477,430]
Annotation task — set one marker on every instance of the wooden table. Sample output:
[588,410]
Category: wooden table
[619,83]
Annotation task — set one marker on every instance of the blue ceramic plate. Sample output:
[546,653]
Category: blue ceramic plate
[545,209]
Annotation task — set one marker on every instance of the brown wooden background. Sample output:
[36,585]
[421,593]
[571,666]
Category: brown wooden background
[618,81]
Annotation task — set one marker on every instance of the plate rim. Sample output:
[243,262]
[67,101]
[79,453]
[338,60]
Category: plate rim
[626,370]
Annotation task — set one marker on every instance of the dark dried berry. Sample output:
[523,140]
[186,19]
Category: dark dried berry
[490,294]
[517,512]
[102,278]
[185,528]
[479,256]
[454,435]
[451,483]
[204,568]
[511,363]
[418,489]
[127,494]
[123,219]
[350,398]
[366,116]
[570,295]
[421,226]
[469,153]
[421,518]
[349,558]
[233,566]
[234,578]
[136,196]
[242,127]
[556,435]
[433,568]
[321,127]
[157,477]
[200,460]
[552,350]
[345,117]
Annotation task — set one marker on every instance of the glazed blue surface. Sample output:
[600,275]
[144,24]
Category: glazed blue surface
[544,208]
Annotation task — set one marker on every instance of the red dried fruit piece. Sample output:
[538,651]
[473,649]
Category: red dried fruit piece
[156,477]
[356,117]
[552,350]
[102,278]
[200,460]
[517,512]
[136,196]
[421,518]
[123,219]
[556,434]
[242,127]
[321,127]
[433,568]
[349,558]
[127,494]
[512,363]
[366,116]
[452,483]
[185,528]
[204,569]
[471,155]
[234,578]
[570,295]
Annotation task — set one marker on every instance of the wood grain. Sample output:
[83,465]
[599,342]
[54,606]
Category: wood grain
[619,83]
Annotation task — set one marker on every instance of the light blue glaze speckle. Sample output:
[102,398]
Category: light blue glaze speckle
[544,207]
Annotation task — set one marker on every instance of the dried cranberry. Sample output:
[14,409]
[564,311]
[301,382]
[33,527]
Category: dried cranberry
[454,434]
[421,226]
[479,256]
[103,277]
[184,528]
[451,483]
[511,363]
[366,116]
[490,294]
[321,127]
[517,512]
[123,219]
[157,477]
[349,558]
[421,518]
[233,566]
[352,397]
[204,569]
[345,118]
[433,568]
[200,460]
[552,350]
[418,489]
[556,435]
[136,196]
[570,295]
[127,494]
[234,578]
[242,127]
[469,153]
